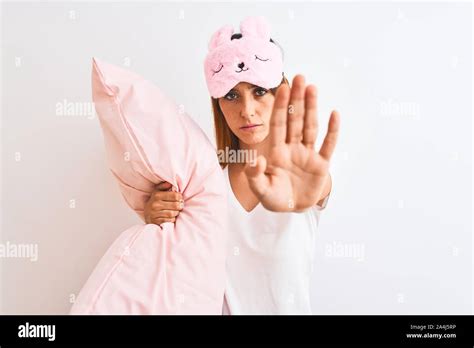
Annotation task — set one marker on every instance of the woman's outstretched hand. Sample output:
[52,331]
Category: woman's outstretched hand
[293,176]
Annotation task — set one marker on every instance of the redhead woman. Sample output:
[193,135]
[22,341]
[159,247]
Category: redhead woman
[276,198]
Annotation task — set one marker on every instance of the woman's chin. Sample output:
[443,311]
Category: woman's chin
[252,139]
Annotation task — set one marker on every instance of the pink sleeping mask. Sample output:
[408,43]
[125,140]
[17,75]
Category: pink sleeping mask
[252,58]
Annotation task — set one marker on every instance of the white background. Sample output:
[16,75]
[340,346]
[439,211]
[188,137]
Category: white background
[400,75]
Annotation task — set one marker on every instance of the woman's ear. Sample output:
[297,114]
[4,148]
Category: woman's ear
[220,37]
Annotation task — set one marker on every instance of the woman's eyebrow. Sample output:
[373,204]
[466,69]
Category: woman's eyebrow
[249,86]
[255,86]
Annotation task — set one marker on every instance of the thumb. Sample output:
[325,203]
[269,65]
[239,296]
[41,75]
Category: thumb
[255,172]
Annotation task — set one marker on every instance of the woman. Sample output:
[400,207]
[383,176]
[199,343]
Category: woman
[275,200]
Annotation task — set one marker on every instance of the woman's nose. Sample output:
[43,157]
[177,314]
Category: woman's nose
[248,108]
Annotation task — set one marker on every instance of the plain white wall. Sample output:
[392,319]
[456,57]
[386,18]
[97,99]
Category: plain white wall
[396,236]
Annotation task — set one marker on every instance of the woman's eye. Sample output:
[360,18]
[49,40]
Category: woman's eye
[230,96]
[260,91]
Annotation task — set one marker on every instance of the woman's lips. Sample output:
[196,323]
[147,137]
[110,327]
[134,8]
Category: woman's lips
[250,127]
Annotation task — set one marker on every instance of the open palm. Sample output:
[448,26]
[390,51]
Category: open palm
[292,176]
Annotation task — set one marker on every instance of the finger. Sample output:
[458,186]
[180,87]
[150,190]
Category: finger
[279,115]
[163,214]
[296,110]
[310,130]
[167,214]
[168,196]
[330,139]
[258,181]
[166,205]
[163,186]
[160,221]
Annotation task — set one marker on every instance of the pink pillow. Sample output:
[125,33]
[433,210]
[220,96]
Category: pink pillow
[149,269]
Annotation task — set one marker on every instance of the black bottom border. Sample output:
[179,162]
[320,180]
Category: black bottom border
[350,330]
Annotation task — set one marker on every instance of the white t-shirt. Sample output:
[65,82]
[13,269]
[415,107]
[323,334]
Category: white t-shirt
[269,259]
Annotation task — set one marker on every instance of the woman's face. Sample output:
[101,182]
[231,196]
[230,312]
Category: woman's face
[247,109]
